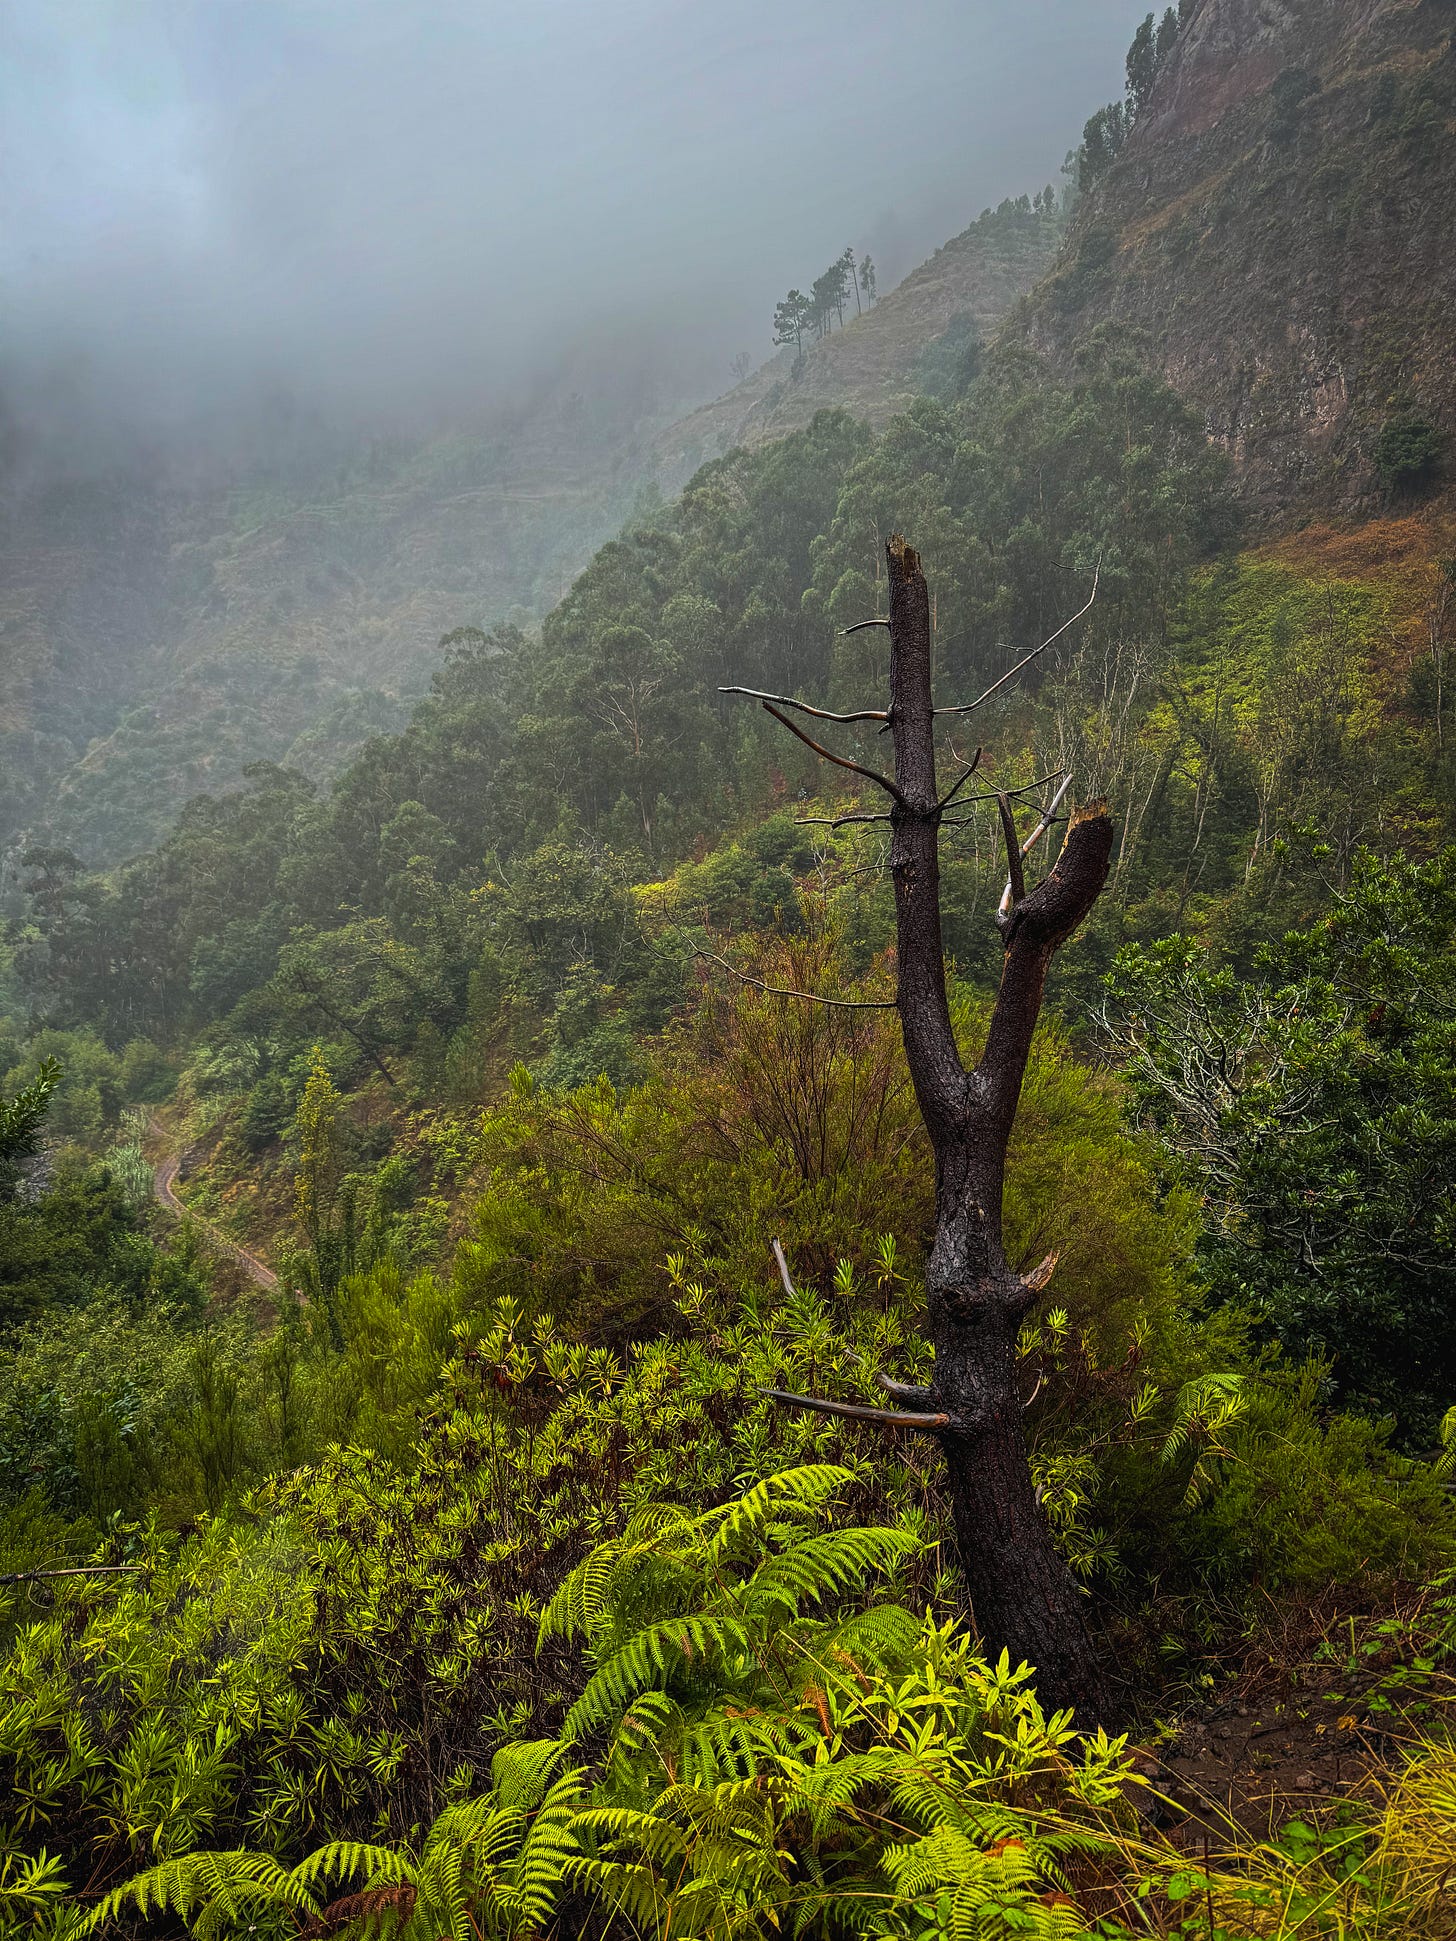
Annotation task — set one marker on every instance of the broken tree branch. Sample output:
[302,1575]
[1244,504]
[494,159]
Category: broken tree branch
[1015,876]
[840,761]
[1037,1279]
[857,1412]
[904,1391]
[1011,896]
[778,1254]
[860,625]
[820,714]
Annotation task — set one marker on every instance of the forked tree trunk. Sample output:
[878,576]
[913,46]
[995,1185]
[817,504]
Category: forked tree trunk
[1021,1589]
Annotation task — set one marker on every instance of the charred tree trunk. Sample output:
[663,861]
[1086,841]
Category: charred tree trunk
[1021,1590]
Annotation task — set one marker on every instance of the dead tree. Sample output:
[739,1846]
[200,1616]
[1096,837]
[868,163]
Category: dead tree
[1022,1593]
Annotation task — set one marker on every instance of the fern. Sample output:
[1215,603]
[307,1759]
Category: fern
[218,1889]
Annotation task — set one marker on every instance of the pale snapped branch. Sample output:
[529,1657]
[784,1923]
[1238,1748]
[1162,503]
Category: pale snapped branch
[856,1412]
[905,1391]
[1037,1279]
[1015,886]
[860,625]
[778,1254]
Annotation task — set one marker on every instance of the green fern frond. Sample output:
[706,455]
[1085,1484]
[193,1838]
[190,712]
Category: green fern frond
[653,1653]
[818,1567]
[340,1858]
[519,1771]
[219,1885]
[805,1488]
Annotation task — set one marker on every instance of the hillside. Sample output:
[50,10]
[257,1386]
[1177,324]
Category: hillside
[875,365]
[162,629]
[1278,223]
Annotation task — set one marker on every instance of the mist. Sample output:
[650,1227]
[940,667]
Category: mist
[387,215]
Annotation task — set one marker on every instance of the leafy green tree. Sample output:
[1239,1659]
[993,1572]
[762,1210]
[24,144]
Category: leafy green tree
[1313,1104]
[1407,452]
[322,1204]
[791,319]
[1102,140]
[1142,64]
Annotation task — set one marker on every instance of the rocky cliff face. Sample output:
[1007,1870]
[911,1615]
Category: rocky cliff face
[1281,223]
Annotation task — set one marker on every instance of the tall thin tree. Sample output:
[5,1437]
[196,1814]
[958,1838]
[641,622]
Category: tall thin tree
[1022,1593]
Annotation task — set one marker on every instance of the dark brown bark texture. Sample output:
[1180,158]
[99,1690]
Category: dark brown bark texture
[1022,1593]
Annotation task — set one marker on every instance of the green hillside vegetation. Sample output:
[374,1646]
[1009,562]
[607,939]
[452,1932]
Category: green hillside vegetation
[475,1580]
[455,1040]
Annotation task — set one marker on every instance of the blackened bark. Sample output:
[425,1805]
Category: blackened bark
[1021,1590]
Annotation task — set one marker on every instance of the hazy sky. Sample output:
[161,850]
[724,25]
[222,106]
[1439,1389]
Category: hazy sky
[403,201]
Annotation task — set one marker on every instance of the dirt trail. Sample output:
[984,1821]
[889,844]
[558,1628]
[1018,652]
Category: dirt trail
[164,1186]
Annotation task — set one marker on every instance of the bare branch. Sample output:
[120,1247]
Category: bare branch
[969,707]
[904,1391]
[1015,879]
[835,821]
[994,795]
[860,625]
[840,761]
[820,714]
[82,1570]
[787,990]
[856,1412]
[960,781]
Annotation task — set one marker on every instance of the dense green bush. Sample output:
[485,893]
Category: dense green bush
[1407,452]
[1314,1105]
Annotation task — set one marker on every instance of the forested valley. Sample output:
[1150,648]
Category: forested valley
[560,1377]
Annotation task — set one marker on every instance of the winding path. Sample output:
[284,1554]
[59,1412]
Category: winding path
[164,1186]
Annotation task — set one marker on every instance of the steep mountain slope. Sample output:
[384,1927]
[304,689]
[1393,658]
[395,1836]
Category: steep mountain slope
[1279,223]
[875,365]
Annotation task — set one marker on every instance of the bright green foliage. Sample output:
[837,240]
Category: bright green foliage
[670,1606]
[763,1767]
[22,1118]
[490,1866]
[77,1236]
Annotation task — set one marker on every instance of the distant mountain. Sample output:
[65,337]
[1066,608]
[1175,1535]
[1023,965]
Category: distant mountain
[160,629]
[880,360]
[162,625]
[1279,224]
